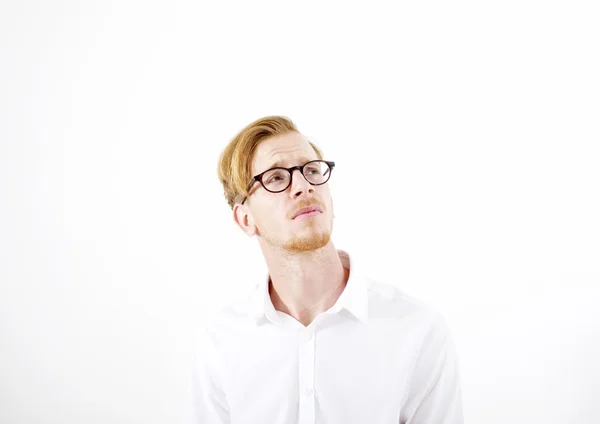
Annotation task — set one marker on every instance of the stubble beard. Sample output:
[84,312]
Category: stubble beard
[305,244]
[297,244]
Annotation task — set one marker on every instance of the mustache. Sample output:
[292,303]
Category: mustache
[305,204]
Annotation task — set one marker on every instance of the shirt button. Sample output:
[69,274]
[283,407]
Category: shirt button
[309,392]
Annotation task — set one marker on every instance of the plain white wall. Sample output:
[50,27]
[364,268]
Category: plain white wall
[477,121]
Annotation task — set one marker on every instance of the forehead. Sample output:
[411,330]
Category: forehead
[282,150]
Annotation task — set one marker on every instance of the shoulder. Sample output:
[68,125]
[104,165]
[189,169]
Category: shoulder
[393,300]
[229,321]
[389,302]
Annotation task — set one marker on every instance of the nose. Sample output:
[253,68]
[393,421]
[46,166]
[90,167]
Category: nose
[299,184]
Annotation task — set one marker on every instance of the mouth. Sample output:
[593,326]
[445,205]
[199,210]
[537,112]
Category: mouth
[308,212]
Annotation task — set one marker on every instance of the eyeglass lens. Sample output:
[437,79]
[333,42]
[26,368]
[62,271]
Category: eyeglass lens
[279,179]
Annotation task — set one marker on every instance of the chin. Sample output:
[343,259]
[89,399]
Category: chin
[308,243]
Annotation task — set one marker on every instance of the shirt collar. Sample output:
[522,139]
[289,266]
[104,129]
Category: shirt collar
[353,299]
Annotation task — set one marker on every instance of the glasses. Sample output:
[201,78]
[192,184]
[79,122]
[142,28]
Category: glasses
[276,180]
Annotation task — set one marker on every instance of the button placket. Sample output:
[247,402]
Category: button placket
[306,369]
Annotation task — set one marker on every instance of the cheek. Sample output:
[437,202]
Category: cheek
[270,217]
[327,199]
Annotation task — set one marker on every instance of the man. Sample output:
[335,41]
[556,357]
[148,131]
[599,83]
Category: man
[315,342]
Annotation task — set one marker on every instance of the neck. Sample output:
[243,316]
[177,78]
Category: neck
[305,284]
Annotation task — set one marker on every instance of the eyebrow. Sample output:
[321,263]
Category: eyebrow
[279,163]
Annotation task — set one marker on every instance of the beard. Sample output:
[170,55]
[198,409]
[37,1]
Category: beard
[305,244]
[296,244]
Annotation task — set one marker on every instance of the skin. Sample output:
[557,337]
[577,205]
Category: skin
[306,273]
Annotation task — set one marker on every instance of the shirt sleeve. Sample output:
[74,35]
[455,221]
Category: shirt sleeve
[208,399]
[434,391]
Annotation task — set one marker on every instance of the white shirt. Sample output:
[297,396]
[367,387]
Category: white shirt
[378,356]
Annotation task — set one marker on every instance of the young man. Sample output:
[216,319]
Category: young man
[316,342]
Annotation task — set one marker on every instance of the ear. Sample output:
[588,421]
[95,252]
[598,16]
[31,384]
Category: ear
[243,218]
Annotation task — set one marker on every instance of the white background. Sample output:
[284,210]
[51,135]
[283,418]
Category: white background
[466,137]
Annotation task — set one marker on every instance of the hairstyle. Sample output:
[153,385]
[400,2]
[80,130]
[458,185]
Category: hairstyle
[235,163]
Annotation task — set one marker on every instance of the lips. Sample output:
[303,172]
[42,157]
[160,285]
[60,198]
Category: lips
[308,209]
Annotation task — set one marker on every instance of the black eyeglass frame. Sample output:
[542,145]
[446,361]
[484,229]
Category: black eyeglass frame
[291,171]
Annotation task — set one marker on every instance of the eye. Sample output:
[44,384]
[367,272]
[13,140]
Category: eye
[274,178]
